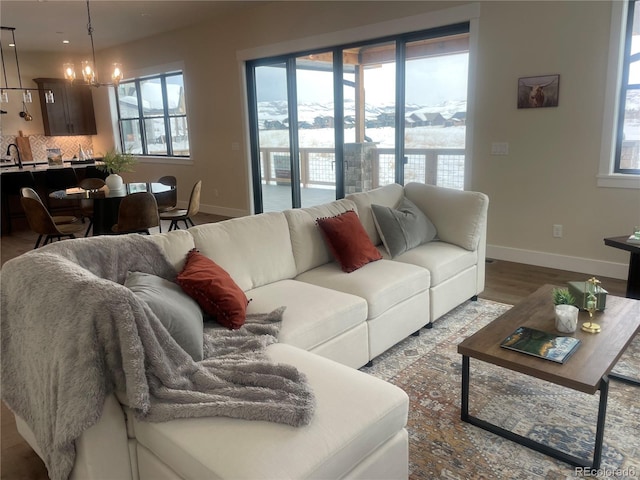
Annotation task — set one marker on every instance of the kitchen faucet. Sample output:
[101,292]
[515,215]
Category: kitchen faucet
[17,152]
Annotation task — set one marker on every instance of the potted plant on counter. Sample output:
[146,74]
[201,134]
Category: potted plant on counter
[116,163]
[566,312]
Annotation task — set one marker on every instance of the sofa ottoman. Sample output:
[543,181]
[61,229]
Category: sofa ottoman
[359,420]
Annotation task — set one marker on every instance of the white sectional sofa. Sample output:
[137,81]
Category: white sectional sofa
[334,323]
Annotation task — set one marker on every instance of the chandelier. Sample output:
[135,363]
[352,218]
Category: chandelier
[26,92]
[89,74]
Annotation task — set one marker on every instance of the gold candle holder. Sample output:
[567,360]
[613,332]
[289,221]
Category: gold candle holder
[591,291]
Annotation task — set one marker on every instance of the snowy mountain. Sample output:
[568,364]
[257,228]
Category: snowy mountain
[308,112]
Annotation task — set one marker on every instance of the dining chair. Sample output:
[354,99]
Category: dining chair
[138,213]
[86,204]
[41,222]
[185,215]
[167,201]
[57,219]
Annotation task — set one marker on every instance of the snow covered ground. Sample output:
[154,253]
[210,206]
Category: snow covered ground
[384,137]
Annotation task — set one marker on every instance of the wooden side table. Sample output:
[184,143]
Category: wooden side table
[633,277]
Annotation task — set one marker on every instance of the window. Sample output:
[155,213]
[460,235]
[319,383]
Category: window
[627,156]
[363,105]
[152,116]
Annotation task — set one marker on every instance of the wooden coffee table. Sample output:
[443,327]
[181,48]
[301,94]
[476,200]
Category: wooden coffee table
[587,370]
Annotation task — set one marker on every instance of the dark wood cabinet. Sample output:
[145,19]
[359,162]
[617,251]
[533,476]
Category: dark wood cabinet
[72,111]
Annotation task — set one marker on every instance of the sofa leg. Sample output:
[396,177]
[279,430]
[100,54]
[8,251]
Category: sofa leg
[429,325]
[474,298]
[416,333]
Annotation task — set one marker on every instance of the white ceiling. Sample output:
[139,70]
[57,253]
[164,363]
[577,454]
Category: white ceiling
[42,25]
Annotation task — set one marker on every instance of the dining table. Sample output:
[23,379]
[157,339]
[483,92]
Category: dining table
[106,202]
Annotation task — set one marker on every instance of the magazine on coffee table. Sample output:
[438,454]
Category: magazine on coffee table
[541,344]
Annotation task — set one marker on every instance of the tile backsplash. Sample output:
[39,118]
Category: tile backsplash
[69,146]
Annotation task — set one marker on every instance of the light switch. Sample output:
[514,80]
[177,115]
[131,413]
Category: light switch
[499,148]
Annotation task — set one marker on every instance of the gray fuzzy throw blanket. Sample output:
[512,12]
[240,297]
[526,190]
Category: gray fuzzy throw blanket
[73,334]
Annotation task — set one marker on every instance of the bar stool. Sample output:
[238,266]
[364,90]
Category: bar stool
[60,179]
[86,205]
[10,184]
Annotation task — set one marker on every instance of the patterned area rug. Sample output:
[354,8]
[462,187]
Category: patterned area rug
[428,368]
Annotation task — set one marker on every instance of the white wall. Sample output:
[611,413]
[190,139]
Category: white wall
[549,176]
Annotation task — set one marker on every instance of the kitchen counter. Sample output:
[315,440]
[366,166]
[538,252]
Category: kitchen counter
[36,175]
[43,166]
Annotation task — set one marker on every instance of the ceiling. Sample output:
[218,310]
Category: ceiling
[42,25]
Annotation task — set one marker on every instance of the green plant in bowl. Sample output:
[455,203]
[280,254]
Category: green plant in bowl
[115,162]
[561,296]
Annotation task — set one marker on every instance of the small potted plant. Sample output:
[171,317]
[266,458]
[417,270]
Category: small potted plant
[566,311]
[116,163]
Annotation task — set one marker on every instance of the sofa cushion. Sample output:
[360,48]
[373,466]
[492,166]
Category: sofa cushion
[388,196]
[383,284]
[355,414]
[175,244]
[402,228]
[348,241]
[255,250]
[443,260]
[214,290]
[178,312]
[314,314]
[309,247]
[460,217]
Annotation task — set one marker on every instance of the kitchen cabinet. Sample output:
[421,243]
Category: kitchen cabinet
[72,111]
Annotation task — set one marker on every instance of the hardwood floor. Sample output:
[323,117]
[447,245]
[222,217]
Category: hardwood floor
[509,282]
[506,282]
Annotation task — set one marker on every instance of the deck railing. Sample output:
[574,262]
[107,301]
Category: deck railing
[440,166]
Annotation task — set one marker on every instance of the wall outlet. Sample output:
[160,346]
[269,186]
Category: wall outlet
[557,231]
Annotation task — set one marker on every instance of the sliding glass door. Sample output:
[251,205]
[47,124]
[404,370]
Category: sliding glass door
[370,116]
[293,134]
[435,106]
[316,128]
[356,117]
[274,145]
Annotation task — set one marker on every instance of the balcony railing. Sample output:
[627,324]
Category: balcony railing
[442,166]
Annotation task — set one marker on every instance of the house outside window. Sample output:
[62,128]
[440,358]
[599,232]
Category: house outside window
[627,153]
[152,116]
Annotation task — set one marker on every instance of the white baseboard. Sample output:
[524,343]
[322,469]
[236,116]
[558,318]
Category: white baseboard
[560,262]
[217,210]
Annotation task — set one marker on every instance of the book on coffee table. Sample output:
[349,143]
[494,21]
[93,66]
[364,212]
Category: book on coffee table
[541,344]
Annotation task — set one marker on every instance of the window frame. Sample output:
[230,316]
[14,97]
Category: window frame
[141,118]
[625,86]
[607,176]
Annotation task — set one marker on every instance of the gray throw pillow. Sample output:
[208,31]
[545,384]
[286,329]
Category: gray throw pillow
[177,311]
[402,228]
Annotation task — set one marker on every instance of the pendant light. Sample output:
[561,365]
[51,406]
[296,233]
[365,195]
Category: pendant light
[88,72]
[26,92]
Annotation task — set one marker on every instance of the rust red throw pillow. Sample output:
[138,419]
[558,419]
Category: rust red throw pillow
[348,241]
[213,288]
